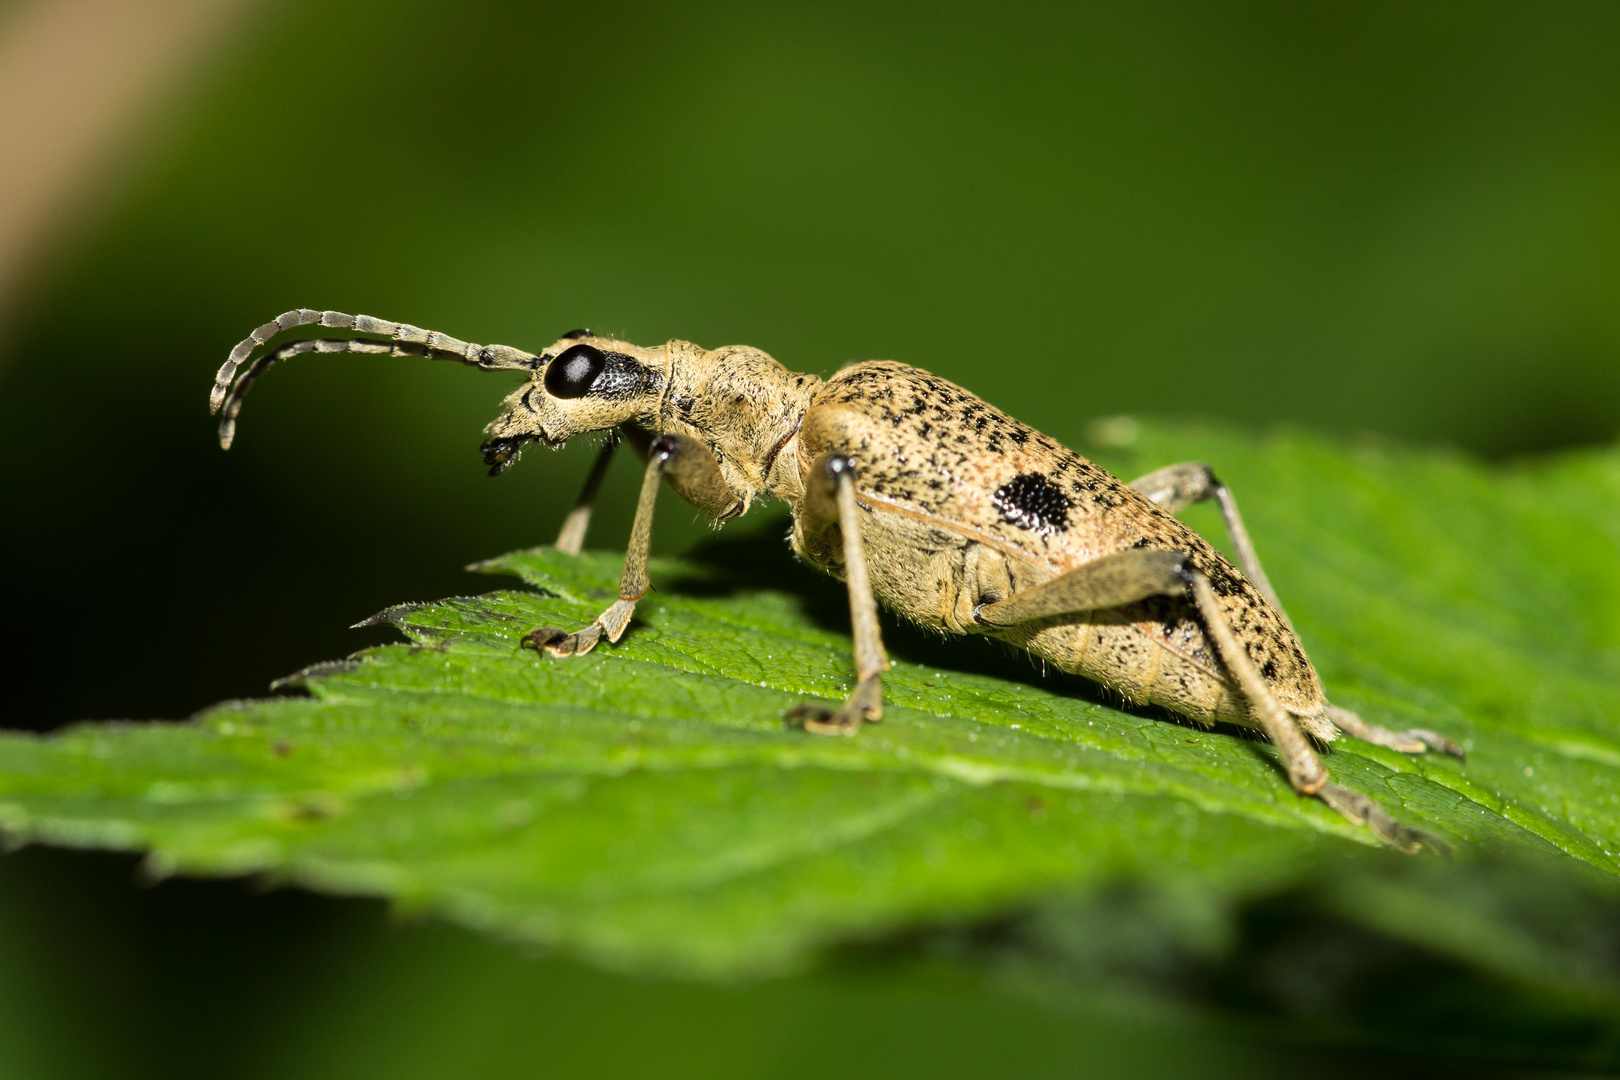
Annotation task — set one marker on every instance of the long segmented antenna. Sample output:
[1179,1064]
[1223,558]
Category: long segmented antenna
[233,400]
[404,340]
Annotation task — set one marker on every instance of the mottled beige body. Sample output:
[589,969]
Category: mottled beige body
[953,514]
[930,457]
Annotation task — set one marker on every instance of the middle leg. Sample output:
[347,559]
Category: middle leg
[831,501]
[572,537]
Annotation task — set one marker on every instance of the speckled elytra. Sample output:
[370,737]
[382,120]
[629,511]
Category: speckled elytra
[916,493]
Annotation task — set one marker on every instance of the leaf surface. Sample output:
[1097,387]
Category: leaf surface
[646,806]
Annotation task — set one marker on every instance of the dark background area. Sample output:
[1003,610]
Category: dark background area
[1387,218]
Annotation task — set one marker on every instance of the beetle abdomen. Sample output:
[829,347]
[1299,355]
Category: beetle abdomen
[1003,494]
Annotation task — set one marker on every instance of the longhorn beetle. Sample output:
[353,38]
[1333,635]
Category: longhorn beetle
[915,492]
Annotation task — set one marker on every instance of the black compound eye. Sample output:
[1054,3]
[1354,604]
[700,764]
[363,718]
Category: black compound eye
[573,372]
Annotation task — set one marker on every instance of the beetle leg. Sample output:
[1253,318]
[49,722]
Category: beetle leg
[1306,772]
[1411,741]
[832,500]
[1176,487]
[1129,576]
[1364,810]
[572,537]
[1109,582]
[694,473]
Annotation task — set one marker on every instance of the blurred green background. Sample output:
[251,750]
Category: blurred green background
[1387,218]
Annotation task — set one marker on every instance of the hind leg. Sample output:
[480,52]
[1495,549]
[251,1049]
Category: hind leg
[1411,741]
[1133,575]
[1176,487]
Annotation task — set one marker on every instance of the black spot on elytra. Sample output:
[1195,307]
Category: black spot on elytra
[1031,501]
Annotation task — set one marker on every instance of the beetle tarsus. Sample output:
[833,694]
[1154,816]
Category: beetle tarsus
[1410,741]
[559,642]
[1364,810]
[865,706]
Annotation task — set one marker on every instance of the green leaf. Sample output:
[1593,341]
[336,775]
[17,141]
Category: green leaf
[646,806]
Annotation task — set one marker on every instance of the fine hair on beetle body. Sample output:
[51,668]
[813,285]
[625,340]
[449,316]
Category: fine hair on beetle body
[914,492]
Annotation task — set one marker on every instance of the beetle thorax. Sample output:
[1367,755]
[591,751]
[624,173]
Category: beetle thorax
[744,406]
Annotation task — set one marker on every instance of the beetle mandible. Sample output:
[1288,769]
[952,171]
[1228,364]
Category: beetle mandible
[916,493]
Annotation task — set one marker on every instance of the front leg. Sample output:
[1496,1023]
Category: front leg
[694,473]
[831,501]
[572,537]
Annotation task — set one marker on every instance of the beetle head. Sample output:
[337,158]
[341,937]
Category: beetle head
[582,383]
